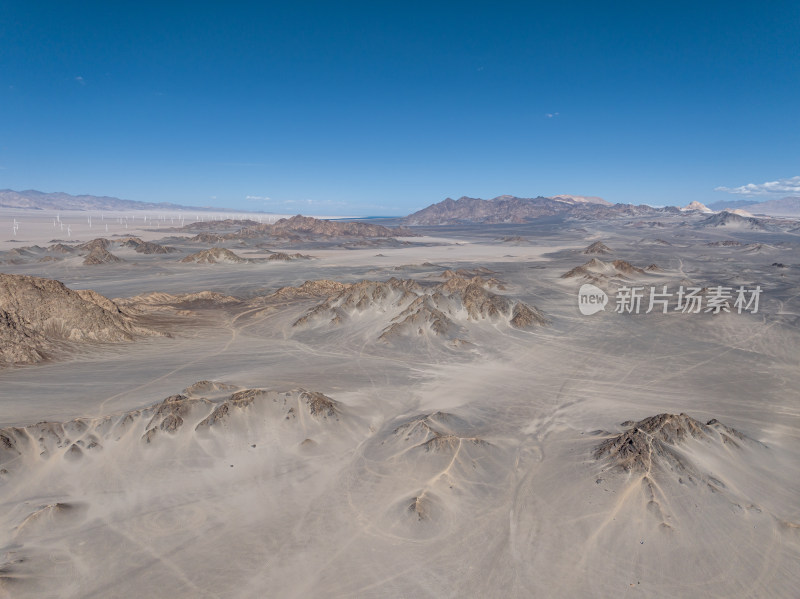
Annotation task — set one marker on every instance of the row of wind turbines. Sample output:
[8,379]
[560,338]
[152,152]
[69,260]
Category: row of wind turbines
[120,222]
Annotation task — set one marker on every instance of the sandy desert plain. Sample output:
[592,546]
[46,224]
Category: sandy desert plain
[331,410]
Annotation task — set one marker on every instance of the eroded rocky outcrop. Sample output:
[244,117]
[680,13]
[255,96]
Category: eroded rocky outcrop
[39,315]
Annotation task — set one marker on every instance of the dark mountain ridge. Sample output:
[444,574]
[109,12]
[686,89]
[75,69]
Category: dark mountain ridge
[511,209]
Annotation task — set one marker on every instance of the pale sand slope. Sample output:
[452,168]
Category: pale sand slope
[443,471]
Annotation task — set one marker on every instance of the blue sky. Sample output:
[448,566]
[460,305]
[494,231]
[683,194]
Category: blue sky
[379,108]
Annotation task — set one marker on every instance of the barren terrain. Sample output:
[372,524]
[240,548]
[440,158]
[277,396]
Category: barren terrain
[418,412]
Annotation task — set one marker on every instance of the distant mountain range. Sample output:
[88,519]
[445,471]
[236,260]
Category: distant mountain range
[38,200]
[729,204]
[581,199]
[788,206]
[502,209]
[511,209]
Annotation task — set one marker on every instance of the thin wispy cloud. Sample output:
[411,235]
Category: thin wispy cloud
[551,115]
[319,203]
[256,198]
[80,80]
[790,185]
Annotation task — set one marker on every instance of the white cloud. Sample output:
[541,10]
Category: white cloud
[257,198]
[551,115]
[781,186]
[80,80]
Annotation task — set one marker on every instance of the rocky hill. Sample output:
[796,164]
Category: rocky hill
[307,225]
[100,255]
[202,408]
[95,251]
[407,308]
[596,271]
[156,300]
[735,221]
[284,257]
[598,247]
[653,439]
[296,227]
[39,316]
[216,255]
[309,289]
[146,247]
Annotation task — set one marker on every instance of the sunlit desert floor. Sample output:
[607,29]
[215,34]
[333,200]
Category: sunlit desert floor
[323,461]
